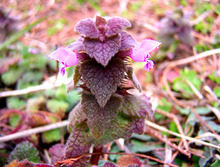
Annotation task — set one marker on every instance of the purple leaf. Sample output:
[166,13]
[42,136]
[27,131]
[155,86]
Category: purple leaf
[78,142]
[76,117]
[137,106]
[57,152]
[138,125]
[103,82]
[102,51]
[109,164]
[87,28]
[127,41]
[98,118]
[77,45]
[115,26]
[100,21]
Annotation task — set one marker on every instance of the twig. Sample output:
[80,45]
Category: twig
[32,89]
[33,131]
[198,94]
[182,62]
[153,125]
[152,132]
[179,127]
[200,18]
[202,121]
[193,58]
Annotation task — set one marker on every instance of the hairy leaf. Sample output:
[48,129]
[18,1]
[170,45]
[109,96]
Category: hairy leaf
[76,117]
[102,51]
[115,26]
[99,119]
[137,106]
[87,28]
[77,45]
[103,82]
[127,41]
[133,78]
[138,125]
[109,164]
[78,142]
[100,21]
[24,150]
[120,127]
[57,152]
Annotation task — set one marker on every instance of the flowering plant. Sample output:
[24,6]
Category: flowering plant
[106,111]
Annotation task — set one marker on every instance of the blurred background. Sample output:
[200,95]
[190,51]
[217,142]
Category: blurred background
[184,85]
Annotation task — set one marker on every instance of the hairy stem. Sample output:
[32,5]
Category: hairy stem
[94,160]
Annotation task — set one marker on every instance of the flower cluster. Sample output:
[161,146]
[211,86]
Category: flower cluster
[140,52]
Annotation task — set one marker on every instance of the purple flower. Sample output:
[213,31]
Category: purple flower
[67,57]
[141,52]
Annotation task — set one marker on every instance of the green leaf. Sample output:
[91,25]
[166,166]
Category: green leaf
[202,110]
[10,77]
[14,120]
[24,150]
[19,34]
[165,105]
[51,136]
[180,83]
[216,163]
[184,111]
[32,76]
[217,91]
[15,103]
[57,106]
[138,146]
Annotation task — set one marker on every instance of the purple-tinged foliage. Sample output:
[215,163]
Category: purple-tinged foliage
[175,23]
[109,164]
[57,152]
[106,111]
[102,51]
[98,118]
[103,81]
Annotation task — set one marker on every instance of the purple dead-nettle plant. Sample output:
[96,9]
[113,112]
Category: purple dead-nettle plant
[106,111]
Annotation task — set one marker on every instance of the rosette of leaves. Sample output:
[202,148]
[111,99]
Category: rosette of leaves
[106,111]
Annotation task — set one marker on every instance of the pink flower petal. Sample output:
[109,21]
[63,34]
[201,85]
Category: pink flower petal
[149,45]
[149,65]
[67,57]
[141,52]
[71,59]
[59,54]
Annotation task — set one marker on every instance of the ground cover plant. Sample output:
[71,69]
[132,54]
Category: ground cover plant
[71,113]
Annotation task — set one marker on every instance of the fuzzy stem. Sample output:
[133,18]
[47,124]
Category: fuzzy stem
[94,160]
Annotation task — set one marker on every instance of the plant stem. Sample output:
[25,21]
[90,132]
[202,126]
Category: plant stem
[94,160]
